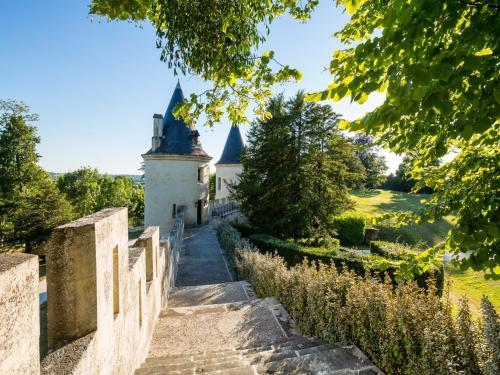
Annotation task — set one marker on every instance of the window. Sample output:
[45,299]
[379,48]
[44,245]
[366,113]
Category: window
[219,183]
[200,174]
[174,211]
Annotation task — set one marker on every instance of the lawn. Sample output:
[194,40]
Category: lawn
[372,203]
[473,285]
[469,283]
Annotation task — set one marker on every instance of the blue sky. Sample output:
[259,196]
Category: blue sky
[96,85]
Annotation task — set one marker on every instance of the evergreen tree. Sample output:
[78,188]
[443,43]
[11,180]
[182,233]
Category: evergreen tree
[30,204]
[297,170]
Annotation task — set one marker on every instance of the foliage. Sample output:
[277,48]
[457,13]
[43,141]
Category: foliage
[297,170]
[89,191]
[390,250]
[217,40]
[491,332]
[350,228]
[245,229]
[377,267]
[437,63]
[389,231]
[211,187]
[374,164]
[402,179]
[30,204]
[403,329]
[229,237]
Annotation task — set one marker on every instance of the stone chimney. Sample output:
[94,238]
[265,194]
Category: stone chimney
[157,131]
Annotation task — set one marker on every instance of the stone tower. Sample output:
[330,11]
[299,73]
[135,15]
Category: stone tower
[176,172]
[229,166]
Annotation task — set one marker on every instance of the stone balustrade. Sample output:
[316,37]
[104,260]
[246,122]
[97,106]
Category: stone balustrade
[103,298]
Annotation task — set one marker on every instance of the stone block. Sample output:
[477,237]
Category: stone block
[19,314]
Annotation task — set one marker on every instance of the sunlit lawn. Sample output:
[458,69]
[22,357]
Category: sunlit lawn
[373,203]
[472,284]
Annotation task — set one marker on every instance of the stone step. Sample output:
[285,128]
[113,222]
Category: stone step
[346,360]
[254,355]
[210,294]
[219,327]
[192,368]
[292,343]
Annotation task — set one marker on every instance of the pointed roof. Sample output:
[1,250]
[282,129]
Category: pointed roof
[232,150]
[177,135]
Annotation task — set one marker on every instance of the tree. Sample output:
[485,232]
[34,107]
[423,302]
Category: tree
[30,204]
[374,164]
[437,62]
[297,170]
[89,191]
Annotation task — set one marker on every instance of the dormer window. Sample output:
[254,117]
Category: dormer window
[194,137]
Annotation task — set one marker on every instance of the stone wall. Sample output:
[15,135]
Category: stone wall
[103,298]
[225,174]
[19,314]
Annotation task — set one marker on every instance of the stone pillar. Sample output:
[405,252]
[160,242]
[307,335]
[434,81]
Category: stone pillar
[371,234]
[149,240]
[86,261]
[19,314]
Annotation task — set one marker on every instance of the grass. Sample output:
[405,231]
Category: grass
[462,283]
[373,203]
[474,286]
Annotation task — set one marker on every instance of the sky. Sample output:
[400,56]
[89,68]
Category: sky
[96,84]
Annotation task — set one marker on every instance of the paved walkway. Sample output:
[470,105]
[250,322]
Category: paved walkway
[202,261]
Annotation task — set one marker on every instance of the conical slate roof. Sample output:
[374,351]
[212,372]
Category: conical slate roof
[233,148]
[177,136]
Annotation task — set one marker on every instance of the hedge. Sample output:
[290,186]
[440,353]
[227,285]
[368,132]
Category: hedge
[360,264]
[246,230]
[390,250]
[401,329]
[350,229]
[293,253]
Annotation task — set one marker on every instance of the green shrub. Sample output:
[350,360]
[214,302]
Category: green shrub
[294,253]
[391,250]
[246,230]
[350,229]
[401,329]
[229,238]
[362,265]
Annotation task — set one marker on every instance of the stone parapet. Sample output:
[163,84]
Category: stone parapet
[104,298]
[19,314]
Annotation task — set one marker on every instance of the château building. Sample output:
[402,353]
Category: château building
[176,171]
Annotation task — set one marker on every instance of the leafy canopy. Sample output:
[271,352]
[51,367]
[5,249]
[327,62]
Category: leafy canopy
[216,40]
[438,65]
[436,61]
[89,191]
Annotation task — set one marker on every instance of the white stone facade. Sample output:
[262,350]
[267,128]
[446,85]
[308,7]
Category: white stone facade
[225,175]
[180,180]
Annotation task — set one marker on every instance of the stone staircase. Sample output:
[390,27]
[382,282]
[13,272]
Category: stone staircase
[224,329]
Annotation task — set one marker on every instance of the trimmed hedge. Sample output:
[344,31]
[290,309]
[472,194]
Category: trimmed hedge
[293,253]
[390,250]
[350,229]
[246,230]
[401,329]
